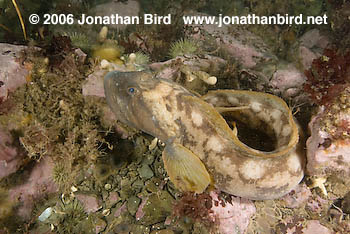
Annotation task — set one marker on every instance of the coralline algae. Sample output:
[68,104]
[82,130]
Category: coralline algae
[328,148]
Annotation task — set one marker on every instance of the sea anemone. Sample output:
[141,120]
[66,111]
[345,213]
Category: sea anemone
[140,58]
[79,40]
[69,217]
[183,47]
[136,61]
[60,175]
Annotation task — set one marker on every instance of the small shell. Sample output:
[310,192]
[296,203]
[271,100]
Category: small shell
[106,212]
[153,144]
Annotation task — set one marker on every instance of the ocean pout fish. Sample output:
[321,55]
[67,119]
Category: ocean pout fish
[201,148]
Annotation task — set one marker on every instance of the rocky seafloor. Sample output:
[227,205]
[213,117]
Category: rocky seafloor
[68,166]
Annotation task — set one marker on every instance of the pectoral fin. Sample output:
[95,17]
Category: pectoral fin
[185,169]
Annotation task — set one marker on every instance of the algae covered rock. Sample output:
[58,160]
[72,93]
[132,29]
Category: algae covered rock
[90,202]
[328,147]
[155,208]
[12,73]
[145,172]
[36,186]
[133,203]
[10,157]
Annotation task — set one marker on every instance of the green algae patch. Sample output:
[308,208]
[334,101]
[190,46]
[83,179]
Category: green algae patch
[157,208]
[51,118]
[63,124]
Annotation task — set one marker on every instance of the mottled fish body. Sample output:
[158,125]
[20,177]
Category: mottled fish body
[201,148]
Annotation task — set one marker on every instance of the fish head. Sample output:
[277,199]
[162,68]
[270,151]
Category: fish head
[125,91]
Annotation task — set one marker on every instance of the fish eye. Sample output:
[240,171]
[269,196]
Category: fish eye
[131,90]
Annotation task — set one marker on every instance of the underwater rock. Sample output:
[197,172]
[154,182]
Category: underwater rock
[247,48]
[328,147]
[81,56]
[298,196]
[310,47]
[112,199]
[139,229]
[121,8]
[133,204]
[139,213]
[100,225]
[314,39]
[194,72]
[233,217]
[94,84]
[288,81]
[317,205]
[261,69]
[155,208]
[314,226]
[163,231]
[10,157]
[306,56]
[170,69]
[122,209]
[37,185]
[90,202]
[145,172]
[12,73]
